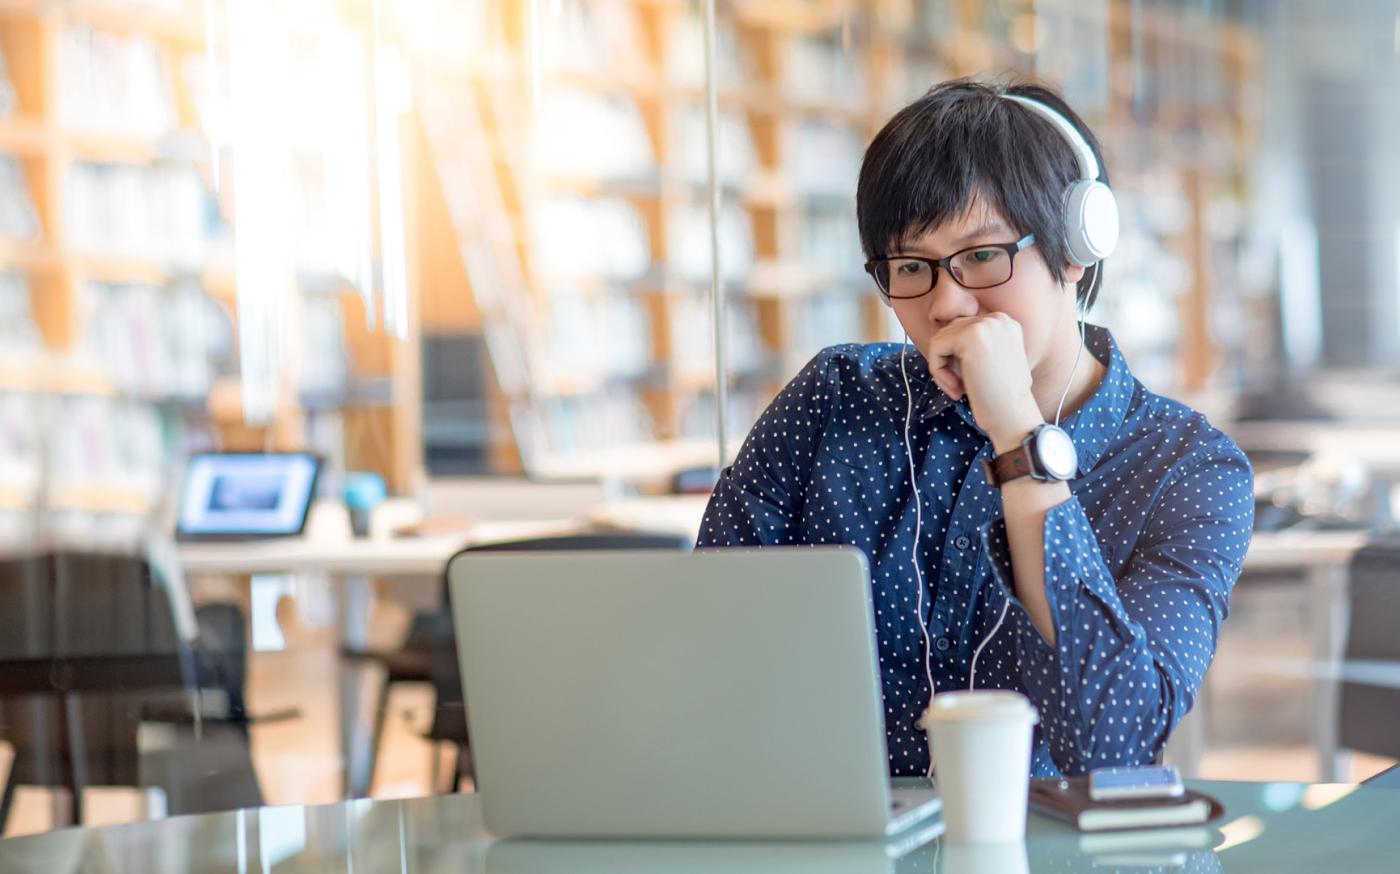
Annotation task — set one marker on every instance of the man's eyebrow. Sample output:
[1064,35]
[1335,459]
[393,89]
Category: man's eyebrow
[988,228]
[992,227]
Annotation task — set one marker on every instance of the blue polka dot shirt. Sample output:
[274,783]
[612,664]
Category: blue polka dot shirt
[1139,562]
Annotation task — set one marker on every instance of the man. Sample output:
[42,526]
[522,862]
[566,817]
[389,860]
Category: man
[1090,573]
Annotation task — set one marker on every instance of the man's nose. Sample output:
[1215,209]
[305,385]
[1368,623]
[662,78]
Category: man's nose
[949,301]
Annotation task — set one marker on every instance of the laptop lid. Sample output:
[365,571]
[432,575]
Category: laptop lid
[725,693]
[242,496]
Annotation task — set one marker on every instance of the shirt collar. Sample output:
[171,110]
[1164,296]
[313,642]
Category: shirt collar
[1092,427]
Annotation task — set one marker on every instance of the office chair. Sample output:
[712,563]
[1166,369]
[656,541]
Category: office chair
[89,651]
[410,662]
[1369,715]
[449,714]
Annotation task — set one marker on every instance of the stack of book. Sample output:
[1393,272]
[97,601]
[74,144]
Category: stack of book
[1068,800]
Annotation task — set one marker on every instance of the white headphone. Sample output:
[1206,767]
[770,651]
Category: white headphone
[1091,211]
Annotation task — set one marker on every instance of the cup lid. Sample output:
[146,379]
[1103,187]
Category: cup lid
[980,705]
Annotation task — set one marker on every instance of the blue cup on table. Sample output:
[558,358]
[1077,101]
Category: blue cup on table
[364,491]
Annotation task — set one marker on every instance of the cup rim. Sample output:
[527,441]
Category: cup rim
[979,705]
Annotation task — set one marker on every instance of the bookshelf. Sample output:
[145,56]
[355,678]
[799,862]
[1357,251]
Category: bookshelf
[119,351]
[591,206]
[571,235]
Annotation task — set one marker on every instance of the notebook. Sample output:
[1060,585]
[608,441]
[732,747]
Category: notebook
[1068,799]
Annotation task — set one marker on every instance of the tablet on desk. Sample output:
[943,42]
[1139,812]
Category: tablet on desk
[238,496]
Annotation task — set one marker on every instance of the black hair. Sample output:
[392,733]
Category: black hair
[962,140]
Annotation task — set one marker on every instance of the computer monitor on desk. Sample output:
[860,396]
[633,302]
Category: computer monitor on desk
[246,496]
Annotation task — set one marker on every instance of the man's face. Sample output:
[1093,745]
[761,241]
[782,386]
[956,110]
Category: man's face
[1032,297]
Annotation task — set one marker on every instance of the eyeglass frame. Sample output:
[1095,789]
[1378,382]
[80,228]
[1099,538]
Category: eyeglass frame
[1011,250]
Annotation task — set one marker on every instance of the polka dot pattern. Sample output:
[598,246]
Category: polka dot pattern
[1139,562]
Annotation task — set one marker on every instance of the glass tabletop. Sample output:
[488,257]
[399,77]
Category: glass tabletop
[1267,827]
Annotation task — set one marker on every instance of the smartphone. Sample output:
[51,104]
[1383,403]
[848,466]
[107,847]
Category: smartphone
[1153,781]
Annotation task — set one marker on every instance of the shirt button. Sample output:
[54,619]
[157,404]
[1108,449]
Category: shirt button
[962,543]
[942,645]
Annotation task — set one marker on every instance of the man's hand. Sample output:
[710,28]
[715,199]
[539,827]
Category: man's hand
[984,357]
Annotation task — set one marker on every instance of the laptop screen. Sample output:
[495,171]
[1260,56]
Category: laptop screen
[229,496]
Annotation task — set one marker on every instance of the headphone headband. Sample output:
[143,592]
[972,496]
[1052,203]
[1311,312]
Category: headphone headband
[1090,210]
[1088,164]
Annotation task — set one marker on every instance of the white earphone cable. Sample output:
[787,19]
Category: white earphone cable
[918,530]
[1079,353]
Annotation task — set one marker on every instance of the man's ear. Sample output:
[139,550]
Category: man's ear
[1073,273]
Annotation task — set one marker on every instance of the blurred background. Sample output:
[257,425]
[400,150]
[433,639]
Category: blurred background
[463,252]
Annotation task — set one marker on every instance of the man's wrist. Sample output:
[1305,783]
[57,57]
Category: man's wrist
[1008,437]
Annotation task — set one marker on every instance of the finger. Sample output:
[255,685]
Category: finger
[949,382]
[948,342]
[943,362]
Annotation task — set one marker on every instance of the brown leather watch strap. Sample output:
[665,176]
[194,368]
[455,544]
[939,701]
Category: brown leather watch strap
[1008,466]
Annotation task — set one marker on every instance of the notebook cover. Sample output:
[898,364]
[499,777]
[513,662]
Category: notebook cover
[1067,798]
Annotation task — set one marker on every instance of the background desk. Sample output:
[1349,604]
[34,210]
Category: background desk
[380,556]
[350,563]
[1268,827]
[1324,558]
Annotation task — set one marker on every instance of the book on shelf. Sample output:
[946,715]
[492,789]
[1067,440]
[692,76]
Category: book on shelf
[825,320]
[910,80]
[593,422]
[589,35]
[685,54]
[112,83]
[162,213]
[20,339]
[19,220]
[592,135]
[831,244]
[570,350]
[20,446]
[688,241]
[824,69]
[692,336]
[822,158]
[1067,799]
[736,159]
[745,405]
[9,100]
[158,343]
[588,237]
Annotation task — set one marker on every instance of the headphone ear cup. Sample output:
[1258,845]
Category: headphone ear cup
[1091,222]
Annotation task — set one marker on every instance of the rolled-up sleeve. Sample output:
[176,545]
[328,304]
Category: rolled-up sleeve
[758,499]
[1131,651]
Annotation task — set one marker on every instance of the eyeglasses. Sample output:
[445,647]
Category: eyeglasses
[982,266]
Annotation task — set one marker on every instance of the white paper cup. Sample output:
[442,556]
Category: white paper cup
[981,744]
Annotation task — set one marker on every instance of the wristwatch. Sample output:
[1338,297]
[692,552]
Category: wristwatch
[1047,454]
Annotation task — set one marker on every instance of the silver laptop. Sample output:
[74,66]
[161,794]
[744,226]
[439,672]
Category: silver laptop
[731,693]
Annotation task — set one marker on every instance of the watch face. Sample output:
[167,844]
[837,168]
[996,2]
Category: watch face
[1056,453]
